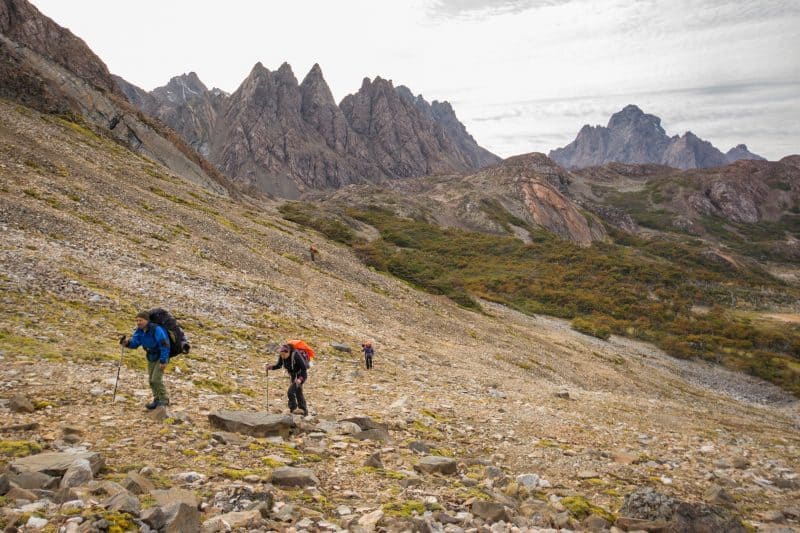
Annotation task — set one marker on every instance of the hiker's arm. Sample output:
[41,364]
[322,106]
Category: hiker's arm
[136,340]
[303,375]
[277,365]
[163,345]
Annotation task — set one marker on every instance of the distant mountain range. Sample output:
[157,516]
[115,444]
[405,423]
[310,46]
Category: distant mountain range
[285,137]
[633,136]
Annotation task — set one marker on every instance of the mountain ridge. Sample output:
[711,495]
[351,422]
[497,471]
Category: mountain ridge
[633,136]
[311,142]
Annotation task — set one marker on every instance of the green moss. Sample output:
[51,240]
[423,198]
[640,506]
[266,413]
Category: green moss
[431,414]
[119,522]
[371,470]
[239,474]
[579,507]
[213,385]
[271,463]
[404,509]
[18,448]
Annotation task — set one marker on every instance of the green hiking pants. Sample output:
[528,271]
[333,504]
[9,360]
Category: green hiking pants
[157,382]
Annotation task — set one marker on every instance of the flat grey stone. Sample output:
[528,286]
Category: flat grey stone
[252,423]
[435,463]
[288,476]
[56,464]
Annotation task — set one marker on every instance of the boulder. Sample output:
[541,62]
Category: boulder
[595,523]
[5,484]
[341,347]
[36,523]
[34,481]
[18,493]
[365,422]
[154,517]
[20,404]
[180,517]
[287,476]
[379,435]
[645,509]
[223,437]
[79,473]
[717,495]
[232,521]
[374,461]
[56,464]
[419,446]
[168,497]
[489,511]
[435,463]
[124,502]
[370,520]
[137,483]
[255,424]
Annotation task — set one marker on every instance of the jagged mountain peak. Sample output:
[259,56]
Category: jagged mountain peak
[315,89]
[283,136]
[635,137]
[181,88]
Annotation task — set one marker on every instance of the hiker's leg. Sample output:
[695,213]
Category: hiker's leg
[150,378]
[157,383]
[292,399]
[301,399]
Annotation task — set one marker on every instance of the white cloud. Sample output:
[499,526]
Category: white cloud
[541,68]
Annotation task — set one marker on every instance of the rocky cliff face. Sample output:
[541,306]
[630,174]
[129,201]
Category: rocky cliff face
[46,67]
[520,194]
[286,137]
[22,23]
[633,136]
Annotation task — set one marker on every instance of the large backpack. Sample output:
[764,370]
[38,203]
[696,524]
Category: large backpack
[304,350]
[177,339]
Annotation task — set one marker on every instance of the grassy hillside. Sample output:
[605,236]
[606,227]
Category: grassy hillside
[644,289]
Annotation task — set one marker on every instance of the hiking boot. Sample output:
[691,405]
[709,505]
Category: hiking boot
[305,412]
[152,405]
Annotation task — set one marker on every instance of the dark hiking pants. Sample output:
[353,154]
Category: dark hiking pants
[296,398]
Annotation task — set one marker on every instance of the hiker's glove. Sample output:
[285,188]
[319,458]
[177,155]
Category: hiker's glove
[123,341]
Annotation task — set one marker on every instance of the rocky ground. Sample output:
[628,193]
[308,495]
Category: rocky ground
[488,421]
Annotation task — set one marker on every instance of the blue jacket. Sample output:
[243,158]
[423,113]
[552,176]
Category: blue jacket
[154,339]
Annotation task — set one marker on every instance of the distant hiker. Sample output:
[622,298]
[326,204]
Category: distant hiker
[155,340]
[297,368]
[369,352]
[313,252]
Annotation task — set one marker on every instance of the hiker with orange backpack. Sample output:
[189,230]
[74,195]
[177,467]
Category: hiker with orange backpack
[369,353]
[295,357]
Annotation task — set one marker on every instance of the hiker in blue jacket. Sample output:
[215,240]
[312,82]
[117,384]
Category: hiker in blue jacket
[153,338]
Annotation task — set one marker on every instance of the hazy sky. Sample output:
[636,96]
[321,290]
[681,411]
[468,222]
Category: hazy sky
[523,75]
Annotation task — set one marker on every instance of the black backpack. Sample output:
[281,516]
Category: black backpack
[177,339]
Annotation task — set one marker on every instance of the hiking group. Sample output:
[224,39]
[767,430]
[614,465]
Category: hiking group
[162,339]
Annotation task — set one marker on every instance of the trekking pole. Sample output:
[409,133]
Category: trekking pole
[267,370]
[119,367]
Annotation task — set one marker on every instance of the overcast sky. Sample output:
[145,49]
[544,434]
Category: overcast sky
[523,75]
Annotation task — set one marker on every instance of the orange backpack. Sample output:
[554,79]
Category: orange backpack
[305,350]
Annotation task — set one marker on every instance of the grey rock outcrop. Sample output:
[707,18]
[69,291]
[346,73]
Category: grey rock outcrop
[633,136]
